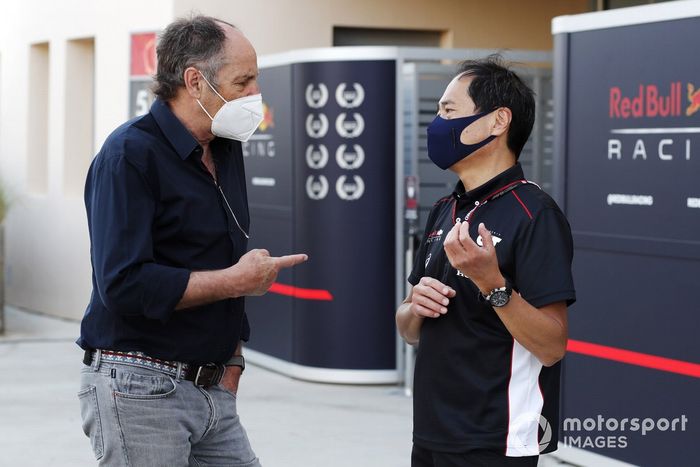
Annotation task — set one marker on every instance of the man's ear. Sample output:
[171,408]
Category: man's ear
[193,82]
[501,121]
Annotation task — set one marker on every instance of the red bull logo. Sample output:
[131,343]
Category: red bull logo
[694,99]
[268,118]
[649,102]
[260,144]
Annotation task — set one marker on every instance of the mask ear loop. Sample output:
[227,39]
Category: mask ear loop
[205,110]
[212,87]
[215,91]
[456,136]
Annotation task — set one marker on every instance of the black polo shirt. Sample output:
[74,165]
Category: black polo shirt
[475,386]
[155,214]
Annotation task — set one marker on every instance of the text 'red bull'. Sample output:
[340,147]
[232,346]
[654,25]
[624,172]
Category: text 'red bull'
[648,102]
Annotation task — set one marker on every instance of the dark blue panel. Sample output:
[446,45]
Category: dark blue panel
[346,226]
[268,156]
[350,241]
[635,215]
[656,57]
[595,387]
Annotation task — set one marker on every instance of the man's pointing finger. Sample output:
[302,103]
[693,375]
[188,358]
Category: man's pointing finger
[290,260]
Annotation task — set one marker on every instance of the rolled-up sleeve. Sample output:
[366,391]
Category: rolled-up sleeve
[120,210]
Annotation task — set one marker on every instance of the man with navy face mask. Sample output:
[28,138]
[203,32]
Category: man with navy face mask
[490,288]
[168,221]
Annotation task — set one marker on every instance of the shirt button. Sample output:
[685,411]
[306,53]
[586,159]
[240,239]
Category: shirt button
[476,203]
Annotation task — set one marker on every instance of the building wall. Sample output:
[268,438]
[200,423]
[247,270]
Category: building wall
[54,116]
[50,124]
[279,25]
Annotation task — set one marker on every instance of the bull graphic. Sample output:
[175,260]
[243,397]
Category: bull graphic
[694,98]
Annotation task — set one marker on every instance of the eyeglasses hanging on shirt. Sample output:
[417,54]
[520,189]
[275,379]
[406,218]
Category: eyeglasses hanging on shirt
[223,196]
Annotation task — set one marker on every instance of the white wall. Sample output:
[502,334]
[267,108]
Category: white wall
[47,249]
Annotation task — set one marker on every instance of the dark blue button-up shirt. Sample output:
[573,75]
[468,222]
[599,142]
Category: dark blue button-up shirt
[155,214]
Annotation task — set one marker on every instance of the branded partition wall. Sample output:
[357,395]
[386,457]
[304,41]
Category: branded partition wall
[321,173]
[628,130]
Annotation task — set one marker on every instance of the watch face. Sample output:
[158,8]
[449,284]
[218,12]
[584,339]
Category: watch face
[499,298]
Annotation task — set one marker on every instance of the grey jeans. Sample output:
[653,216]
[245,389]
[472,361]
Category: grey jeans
[141,417]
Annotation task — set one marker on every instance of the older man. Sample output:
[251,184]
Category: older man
[168,218]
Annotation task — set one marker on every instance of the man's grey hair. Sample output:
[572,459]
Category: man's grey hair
[197,41]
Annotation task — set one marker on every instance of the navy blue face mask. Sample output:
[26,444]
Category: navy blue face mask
[444,147]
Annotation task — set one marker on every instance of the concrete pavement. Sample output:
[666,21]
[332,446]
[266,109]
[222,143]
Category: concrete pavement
[290,423]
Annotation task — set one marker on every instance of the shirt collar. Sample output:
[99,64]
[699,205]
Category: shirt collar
[510,175]
[173,129]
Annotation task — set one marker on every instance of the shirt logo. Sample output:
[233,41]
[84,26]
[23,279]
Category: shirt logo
[434,236]
[480,242]
[496,239]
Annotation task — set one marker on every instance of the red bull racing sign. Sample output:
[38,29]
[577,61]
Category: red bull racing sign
[629,134]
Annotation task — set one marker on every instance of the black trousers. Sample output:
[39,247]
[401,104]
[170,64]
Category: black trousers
[421,457]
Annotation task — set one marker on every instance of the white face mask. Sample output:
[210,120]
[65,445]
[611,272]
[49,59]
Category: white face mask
[237,119]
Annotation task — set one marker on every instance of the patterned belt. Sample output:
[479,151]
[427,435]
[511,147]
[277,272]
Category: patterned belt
[205,375]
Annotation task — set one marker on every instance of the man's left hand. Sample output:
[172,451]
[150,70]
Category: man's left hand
[480,264]
[231,378]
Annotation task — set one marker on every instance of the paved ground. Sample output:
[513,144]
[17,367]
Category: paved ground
[290,423]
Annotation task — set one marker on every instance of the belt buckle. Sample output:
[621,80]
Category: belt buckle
[209,374]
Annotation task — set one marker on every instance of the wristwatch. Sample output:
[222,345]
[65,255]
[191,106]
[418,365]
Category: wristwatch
[237,360]
[498,297]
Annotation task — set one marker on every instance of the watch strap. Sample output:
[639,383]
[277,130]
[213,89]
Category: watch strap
[508,287]
[236,360]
